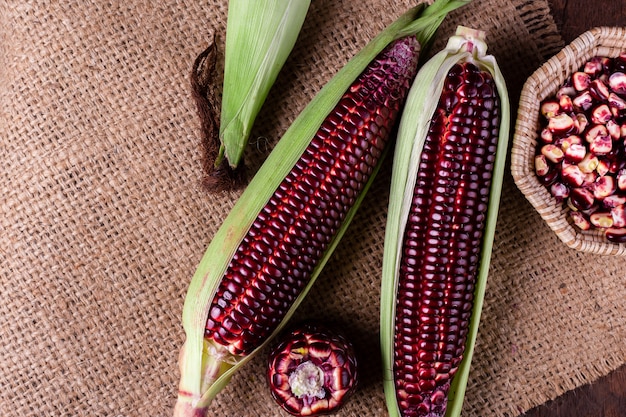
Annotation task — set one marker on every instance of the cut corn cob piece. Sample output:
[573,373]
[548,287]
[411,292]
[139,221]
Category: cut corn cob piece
[446,183]
[312,370]
[260,35]
[279,235]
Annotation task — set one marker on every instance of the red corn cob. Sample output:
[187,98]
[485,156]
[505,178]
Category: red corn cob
[275,260]
[442,241]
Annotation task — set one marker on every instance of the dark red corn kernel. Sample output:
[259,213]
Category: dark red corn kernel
[616,234]
[302,217]
[312,370]
[442,241]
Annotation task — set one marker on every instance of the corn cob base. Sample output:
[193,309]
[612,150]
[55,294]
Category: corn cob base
[442,241]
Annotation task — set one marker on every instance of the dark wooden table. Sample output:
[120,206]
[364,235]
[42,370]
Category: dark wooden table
[607,396]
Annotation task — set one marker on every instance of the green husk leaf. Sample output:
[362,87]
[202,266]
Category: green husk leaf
[422,100]
[260,35]
[205,372]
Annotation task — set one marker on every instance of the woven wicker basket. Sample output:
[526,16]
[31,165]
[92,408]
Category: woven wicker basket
[602,41]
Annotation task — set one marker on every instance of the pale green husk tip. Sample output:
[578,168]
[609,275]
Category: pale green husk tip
[260,35]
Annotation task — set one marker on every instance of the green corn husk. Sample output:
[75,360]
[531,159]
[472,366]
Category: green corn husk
[260,35]
[203,375]
[415,120]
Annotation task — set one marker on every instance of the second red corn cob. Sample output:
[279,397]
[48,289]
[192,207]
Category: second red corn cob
[440,248]
[442,241]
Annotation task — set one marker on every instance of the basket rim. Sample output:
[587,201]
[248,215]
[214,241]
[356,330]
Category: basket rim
[543,83]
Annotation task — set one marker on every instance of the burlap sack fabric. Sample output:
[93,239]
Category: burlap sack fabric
[103,218]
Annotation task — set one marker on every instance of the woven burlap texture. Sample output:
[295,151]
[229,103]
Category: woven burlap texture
[103,218]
